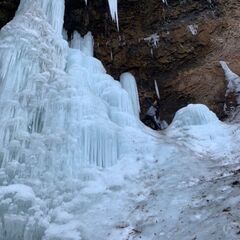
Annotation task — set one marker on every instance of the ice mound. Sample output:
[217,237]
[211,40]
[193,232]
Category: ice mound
[194,114]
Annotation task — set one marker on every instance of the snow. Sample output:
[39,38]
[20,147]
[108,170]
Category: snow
[76,162]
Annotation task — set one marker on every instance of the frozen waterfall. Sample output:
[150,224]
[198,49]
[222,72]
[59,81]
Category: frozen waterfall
[59,108]
[60,112]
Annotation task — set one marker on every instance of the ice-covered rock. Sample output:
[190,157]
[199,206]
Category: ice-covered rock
[232,78]
[194,114]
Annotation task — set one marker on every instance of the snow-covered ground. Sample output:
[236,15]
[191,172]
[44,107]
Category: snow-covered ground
[76,162]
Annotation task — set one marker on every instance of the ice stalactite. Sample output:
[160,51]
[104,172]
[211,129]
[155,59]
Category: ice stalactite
[113,6]
[129,84]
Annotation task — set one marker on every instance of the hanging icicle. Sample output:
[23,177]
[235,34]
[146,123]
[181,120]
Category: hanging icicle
[113,6]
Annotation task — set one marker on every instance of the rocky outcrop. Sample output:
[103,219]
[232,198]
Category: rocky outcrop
[7,10]
[178,45]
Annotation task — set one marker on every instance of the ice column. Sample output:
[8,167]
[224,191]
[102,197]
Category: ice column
[129,84]
[85,44]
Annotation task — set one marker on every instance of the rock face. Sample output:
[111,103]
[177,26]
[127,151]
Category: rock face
[7,10]
[178,45]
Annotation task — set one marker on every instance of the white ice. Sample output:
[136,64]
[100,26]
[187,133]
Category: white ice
[113,6]
[85,44]
[194,114]
[129,84]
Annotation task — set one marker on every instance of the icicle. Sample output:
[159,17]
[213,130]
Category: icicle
[157,89]
[129,84]
[113,6]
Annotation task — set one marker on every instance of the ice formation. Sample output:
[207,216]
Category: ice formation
[59,107]
[85,44]
[194,114]
[60,112]
[129,84]
[113,6]
[233,80]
